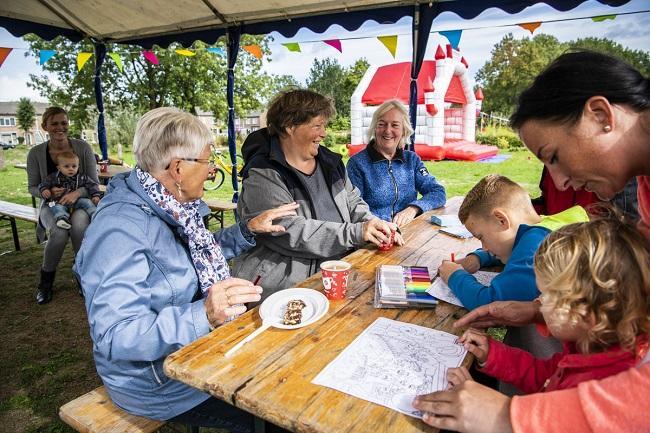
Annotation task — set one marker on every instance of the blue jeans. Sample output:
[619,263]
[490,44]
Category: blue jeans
[61,210]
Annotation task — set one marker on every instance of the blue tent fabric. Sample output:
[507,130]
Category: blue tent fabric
[234,35]
[100,55]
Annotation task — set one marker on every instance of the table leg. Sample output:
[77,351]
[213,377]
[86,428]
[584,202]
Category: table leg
[260,425]
[14,232]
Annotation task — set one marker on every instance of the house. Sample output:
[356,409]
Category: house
[9,130]
[446,106]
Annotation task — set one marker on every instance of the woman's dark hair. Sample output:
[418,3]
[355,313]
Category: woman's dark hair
[51,111]
[560,92]
[295,107]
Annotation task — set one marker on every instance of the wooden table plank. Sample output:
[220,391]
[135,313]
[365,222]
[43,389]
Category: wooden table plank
[271,376]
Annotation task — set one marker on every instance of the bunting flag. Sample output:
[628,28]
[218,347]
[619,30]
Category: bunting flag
[4,52]
[336,43]
[390,42]
[531,27]
[218,51]
[453,36]
[82,58]
[184,52]
[255,50]
[602,18]
[150,56]
[117,59]
[292,46]
[45,55]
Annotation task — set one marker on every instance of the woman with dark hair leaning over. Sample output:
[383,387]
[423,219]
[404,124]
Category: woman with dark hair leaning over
[587,118]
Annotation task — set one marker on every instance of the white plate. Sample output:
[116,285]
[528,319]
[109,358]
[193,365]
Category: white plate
[273,307]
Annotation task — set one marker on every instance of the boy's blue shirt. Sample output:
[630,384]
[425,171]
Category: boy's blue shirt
[517,281]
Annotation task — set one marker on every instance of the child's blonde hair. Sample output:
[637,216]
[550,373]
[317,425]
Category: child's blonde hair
[67,155]
[491,192]
[598,268]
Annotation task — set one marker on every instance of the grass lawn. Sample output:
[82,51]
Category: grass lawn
[47,357]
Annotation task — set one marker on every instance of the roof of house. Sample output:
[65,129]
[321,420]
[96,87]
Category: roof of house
[393,82]
[11,107]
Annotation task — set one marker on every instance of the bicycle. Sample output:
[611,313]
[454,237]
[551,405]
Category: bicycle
[222,165]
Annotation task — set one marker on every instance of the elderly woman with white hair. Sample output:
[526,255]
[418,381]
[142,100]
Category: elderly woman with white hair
[155,279]
[390,177]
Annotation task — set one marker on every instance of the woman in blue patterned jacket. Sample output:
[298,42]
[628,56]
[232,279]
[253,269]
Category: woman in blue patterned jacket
[390,177]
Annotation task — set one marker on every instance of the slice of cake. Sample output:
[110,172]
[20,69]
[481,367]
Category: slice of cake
[293,314]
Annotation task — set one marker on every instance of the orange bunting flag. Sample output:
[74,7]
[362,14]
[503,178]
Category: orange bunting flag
[390,42]
[82,58]
[602,18]
[185,52]
[4,52]
[531,27]
[255,50]
[336,43]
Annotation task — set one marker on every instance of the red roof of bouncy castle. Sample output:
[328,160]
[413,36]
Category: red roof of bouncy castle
[392,82]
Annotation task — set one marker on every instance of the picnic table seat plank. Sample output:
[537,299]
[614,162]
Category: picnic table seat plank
[217,208]
[94,412]
[11,211]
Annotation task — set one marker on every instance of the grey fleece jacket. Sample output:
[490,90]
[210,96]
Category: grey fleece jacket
[284,259]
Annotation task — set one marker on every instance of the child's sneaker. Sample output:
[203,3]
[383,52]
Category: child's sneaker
[63,223]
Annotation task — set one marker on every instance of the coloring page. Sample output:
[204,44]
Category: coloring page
[440,290]
[391,362]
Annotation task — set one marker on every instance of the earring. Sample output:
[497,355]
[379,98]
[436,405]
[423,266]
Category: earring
[607,128]
[180,189]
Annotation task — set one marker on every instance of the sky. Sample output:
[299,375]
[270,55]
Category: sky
[479,37]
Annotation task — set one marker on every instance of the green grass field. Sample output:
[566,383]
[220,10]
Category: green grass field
[47,354]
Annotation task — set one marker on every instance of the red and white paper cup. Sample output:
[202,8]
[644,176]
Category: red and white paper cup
[335,278]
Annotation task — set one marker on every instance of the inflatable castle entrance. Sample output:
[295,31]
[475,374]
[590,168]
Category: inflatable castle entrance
[446,106]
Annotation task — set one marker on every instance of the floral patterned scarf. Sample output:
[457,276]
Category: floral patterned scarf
[209,262]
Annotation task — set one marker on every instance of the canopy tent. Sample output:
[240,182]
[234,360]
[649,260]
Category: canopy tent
[162,22]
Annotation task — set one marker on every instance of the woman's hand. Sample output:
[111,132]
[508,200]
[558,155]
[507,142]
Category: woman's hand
[468,407]
[456,376]
[227,298]
[263,223]
[70,198]
[378,231]
[405,216]
[470,263]
[477,343]
[447,268]
[508,313]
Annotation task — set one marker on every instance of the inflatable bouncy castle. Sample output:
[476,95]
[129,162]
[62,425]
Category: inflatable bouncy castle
[446,106]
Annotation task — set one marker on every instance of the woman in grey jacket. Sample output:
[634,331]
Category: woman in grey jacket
[41,161]
[332,218]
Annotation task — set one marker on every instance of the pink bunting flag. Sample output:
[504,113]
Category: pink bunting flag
[4,52]
[336,43]
[531,27]
[150,56]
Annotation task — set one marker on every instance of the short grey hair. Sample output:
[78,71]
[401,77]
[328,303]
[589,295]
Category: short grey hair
[165,133]
[385,108]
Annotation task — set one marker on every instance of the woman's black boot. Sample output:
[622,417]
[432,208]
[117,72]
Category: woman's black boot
[44,294]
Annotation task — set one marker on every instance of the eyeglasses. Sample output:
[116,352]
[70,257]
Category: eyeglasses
[208,161]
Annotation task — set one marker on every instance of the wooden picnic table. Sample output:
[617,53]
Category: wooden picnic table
[270,377]
[104,177]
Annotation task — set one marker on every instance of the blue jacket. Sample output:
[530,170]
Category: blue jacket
[391,186]
[517,281]
[143,299]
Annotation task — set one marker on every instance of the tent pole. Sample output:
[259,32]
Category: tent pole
[233,36]
[100,55]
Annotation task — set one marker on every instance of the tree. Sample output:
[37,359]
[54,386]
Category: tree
[637,58]
[328,77]
[188,83]
[25,115]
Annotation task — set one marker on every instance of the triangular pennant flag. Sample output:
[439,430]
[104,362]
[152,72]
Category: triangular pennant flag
[389,42]
[254,50]
[531,27]
[184,52]
[218,51]
[117,59]
[151,56]
[453,36]
[45,55]
[4,52]
[82,58]
[336,43]
[293,46]
[602,18]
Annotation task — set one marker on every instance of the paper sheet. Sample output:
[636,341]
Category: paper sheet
[439,289]
[391,362]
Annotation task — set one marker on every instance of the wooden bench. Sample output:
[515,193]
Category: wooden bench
[12,211]
[218,207]
[94,412]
